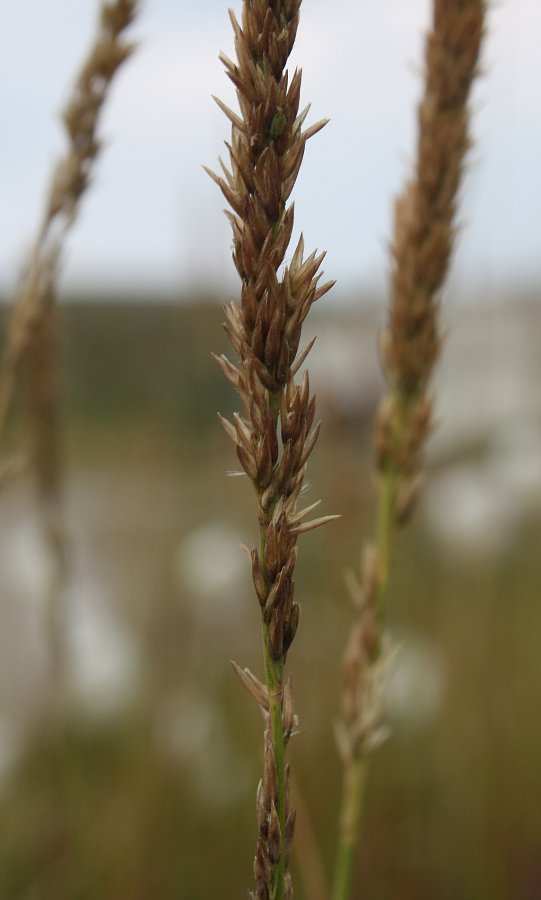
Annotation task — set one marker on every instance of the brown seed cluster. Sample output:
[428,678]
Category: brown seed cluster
[274,434]
[70,179]
[84,107]
[424,234]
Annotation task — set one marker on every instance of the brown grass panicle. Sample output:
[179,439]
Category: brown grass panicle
[31,334]
[424,235]
[71,177]
[275,434]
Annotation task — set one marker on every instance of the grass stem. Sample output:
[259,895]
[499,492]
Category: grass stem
[354,778]
[354,775]
[274,680]
[385,528]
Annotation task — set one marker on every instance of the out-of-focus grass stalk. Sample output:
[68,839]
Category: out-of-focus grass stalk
[30,350]
[424,233]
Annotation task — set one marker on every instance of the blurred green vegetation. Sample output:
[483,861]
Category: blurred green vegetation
[106,808]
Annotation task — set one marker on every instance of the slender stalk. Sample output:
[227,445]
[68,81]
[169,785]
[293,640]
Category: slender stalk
[31,335]
[354,778]
[385,530]
[274,684]
[355,768]
[274,681]
[424,235]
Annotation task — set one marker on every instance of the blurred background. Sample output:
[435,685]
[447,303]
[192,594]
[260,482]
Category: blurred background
[126,776]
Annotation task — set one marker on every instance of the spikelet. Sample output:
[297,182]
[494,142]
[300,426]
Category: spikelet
[275,433]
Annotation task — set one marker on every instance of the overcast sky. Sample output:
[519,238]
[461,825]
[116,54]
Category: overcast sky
[153,219]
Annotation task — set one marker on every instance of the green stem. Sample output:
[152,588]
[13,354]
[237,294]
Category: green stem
[274,679]
[355,770]
[385,525]
[350,814]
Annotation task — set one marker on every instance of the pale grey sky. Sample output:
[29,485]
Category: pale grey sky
[153,218]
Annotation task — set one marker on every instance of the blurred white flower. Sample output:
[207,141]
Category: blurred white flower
[415,683]
[27,565]
[475,509]
[210,565]
[193,730]
[467,512]
[103,656]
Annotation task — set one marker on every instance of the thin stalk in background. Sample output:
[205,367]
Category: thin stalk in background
[424,234]
[275,434]
[30,349]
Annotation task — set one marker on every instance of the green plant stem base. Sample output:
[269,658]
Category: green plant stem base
[350,815]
